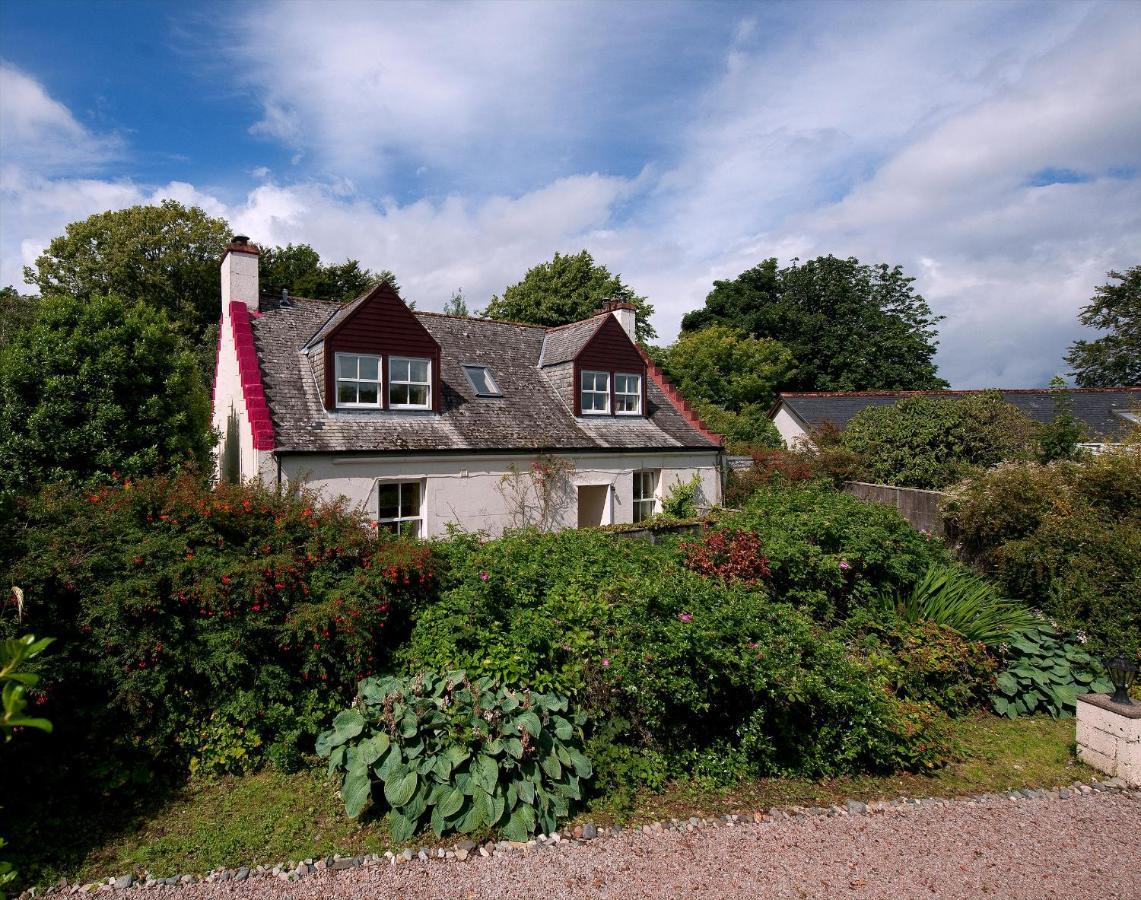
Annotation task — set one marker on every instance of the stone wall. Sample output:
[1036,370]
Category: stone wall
[920,508]
[1109,737]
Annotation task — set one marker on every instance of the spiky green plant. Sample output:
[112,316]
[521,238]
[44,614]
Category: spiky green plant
[959,599]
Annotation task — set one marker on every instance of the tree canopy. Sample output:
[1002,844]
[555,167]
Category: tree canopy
[566,289]
[166,255]
[849,326]
[1114,359]
[94,387]
[297,268]
[16,311]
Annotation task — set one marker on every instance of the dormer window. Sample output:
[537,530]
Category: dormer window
[627,394]
[595,393]
[409,383]
[358,381]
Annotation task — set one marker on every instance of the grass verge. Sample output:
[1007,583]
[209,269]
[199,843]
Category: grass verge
[272,817]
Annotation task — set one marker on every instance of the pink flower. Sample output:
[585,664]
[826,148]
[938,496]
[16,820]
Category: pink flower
[605,661]
[483,576]
[845,565]
[685,617]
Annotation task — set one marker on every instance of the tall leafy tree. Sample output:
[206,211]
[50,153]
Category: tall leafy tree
[849,326]
[1114,359]
[456,305]
[165,255]
[566,289]
[16,311]
[94,387]
[297,268]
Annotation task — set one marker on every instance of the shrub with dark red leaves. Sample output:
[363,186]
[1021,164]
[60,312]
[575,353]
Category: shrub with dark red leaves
[202,628]
[733,556]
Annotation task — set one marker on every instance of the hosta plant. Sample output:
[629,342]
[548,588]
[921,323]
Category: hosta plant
[1046,671]
[464,755]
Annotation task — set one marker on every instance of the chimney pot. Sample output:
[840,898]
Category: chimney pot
[240,239]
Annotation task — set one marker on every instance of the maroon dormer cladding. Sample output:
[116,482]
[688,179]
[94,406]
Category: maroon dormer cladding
[379,324]
[609,349]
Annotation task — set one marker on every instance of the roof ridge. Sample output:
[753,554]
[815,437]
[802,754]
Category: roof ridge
[946,392]
[444,315]
[550,328]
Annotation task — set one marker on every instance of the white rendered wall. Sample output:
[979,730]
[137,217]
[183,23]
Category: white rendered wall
[791,428]
[479,492]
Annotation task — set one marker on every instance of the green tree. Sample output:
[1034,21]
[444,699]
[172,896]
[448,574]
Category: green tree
[165,255]
[1114,359]
[731,379]
[849,326]
[456,305]
[16,311]
[932,442]
[297,268]
[98,386]
[1059,438]
[566,289]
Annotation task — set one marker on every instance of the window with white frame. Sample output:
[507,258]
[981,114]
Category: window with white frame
[627,394]
[645,494]
[358,380]
[399,506]
[409,383]
[594,391]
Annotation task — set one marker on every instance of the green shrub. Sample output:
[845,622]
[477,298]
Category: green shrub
[953,596]
[924,661]
[201,627]
[1065,538]
[932,442]
[830,553]
[700,670]
[466,756]
[1045,672]
[681,500]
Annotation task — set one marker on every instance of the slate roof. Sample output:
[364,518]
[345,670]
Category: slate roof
[1101,410]
[532,414]
[563,343]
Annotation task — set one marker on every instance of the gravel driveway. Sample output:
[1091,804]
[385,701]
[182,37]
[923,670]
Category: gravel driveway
[997,848]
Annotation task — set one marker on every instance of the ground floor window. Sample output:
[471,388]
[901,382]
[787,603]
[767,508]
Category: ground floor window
[399,507]
[645,490]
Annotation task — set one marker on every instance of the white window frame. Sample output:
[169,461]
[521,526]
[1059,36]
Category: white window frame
[582,392]
[637,411]
[393,382]
[399,518]
[640,498]
[379,382]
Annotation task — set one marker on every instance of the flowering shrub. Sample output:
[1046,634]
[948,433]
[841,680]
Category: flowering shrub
[731,555]
[207,625]
[828,552]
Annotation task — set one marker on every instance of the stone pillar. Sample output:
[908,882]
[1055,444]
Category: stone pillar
[1109,737]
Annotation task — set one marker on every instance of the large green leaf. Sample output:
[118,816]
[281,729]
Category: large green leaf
[348,724]
[355,791]
[451,802]
[1007,683]
[520,824]
[398,791]
[526,791]
[531,721]
[371,749]
[551,765]
[401,828]
[486,772]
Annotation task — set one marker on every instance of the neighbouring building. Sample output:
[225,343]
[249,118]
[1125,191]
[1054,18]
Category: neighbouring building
[1106,413]
[427,421]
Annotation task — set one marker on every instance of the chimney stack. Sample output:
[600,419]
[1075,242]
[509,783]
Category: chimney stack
[624,312]
[240,274]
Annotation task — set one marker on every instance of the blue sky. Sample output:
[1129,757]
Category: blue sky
[993,150]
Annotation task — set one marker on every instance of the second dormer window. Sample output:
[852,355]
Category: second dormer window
[595,397]
[628,394]
[409,383]
[358,380]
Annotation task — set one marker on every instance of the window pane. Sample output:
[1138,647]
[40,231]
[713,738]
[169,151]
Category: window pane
[481,380]
[368,392]
[369,368]
[398,369]
[346,392]
[418,370]
[398,394]
[346,366]
[418,395]
[410,499]
[387,501]
[621,384]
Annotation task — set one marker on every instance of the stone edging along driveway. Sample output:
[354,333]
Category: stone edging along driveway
[469,852]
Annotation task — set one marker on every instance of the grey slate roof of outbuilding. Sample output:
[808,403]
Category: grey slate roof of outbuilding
[1099,409]
[532,414]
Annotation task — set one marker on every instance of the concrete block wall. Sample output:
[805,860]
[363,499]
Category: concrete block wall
[921,508]
[1109,737]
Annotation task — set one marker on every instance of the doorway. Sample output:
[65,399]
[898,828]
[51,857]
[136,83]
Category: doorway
[593,505]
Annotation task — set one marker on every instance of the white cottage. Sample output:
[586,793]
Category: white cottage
[427,421]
